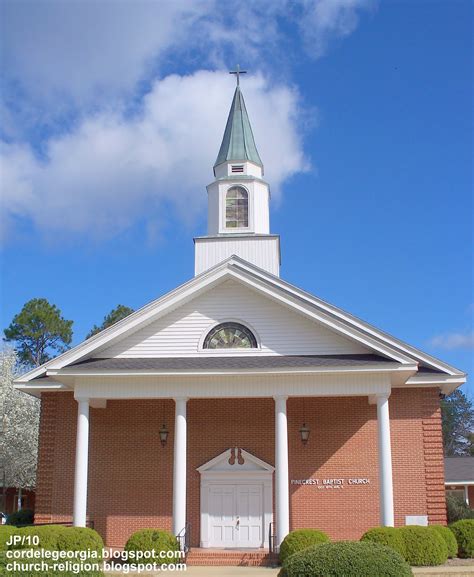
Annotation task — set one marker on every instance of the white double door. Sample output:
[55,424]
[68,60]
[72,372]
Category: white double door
[236,516]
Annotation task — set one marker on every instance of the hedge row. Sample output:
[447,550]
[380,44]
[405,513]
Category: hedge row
[381,552]
[363,559]
[430,545]
[52,538]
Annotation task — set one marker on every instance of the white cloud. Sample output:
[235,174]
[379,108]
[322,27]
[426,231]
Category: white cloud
[112,169]
[81,54]
[323,20]
[86,51]
[78,86]
[454,340]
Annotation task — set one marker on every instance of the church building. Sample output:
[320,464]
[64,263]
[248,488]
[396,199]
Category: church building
[239,407]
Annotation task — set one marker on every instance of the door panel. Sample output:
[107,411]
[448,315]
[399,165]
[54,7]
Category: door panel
[236,515]
[222,514]
[250,515]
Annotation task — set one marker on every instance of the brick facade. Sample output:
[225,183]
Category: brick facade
[130,474]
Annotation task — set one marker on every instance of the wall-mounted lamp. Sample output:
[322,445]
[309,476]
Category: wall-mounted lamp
[304,432]
[163,435]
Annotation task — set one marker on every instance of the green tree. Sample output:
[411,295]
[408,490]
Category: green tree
[115,315]
[38,332]
[458,424]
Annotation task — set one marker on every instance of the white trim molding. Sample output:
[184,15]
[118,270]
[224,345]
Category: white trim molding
[232,386]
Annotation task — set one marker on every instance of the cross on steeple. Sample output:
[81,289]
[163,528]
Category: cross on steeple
[237,73]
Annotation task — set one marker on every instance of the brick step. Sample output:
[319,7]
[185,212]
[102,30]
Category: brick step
[228,558]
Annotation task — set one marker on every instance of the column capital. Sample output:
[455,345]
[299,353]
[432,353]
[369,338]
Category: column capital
[280,397]
[374,399]
[83,400]
[185,399]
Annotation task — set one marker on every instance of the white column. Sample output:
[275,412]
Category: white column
[466,495]
[385,463]
[82,461]
[179,469]
[282,493]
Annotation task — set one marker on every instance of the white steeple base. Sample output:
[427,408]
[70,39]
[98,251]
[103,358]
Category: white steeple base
[261,250]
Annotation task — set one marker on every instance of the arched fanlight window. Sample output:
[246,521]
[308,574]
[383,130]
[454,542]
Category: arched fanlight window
[230,336]
[237,208]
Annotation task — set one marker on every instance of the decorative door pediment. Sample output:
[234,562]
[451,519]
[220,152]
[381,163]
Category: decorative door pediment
[235,460]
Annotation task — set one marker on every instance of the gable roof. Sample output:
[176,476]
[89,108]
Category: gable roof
[278,290]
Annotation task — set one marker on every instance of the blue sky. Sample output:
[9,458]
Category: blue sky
[112,116]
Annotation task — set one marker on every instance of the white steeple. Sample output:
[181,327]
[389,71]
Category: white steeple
[238,200]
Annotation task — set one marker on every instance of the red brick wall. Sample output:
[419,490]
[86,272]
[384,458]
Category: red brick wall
[11,499]
[46,480]
[130,474]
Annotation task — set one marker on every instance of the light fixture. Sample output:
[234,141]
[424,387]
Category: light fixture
[304,432]
[163,435]
[164,429]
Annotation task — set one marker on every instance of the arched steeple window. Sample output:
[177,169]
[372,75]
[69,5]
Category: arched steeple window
[230,336]
[237,208]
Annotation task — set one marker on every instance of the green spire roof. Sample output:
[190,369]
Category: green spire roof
[238,143]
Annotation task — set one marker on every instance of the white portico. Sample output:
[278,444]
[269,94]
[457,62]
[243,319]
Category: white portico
[255,475]
[231,365]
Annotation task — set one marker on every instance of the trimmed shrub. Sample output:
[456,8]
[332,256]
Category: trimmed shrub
[57,537]
[458,509]
[423,546]
[48,537]
[449,538]
[6,531]
[80,539]
[345,558]
[464,532]
[155,540]
[299,540]
[389,536]
[21,518]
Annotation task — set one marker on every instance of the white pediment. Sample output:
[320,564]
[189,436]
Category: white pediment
[278,329]
[235,460]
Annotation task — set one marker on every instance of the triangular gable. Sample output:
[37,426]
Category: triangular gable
[259,280]
[278,329]
[233,459]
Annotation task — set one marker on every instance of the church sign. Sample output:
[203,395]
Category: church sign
[337,483]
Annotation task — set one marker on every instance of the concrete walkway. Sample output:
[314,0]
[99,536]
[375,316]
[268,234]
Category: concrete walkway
[446,571]
[449,571]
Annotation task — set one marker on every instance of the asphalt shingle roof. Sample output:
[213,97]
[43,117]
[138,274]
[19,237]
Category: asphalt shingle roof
[457,469]
[203,363]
